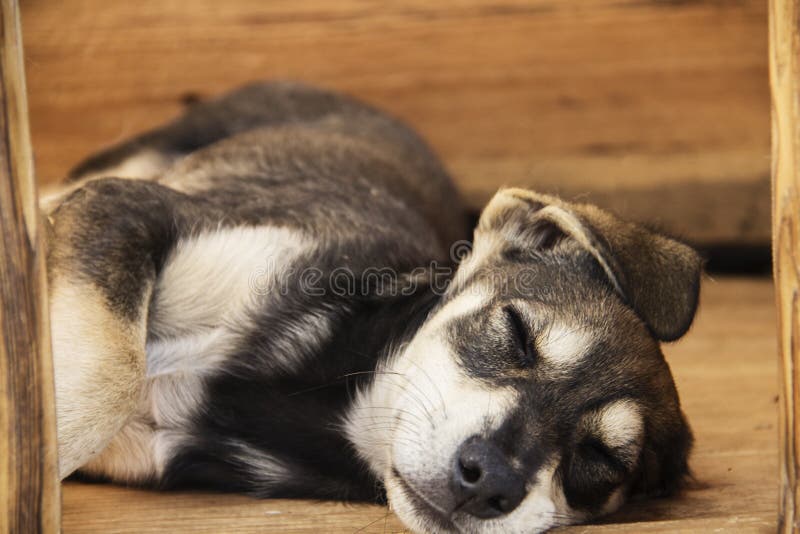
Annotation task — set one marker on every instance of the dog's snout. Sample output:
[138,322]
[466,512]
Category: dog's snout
[483,480]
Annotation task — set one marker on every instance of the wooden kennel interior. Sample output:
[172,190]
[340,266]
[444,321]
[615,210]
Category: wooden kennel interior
[658,110]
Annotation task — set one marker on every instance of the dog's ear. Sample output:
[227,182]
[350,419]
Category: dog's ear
[657,276]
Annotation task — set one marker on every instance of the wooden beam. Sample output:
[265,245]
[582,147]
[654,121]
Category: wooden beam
[784,38]
[29,487]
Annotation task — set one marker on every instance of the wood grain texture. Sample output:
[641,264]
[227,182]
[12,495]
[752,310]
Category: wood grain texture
[784,33]
[659,110]
[727,378]
[29,487]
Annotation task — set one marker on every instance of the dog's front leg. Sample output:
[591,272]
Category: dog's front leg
[104,245]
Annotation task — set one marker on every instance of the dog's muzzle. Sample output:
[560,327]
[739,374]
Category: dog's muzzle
[483,481]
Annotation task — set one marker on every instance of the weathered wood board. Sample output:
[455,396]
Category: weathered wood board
[30,499]
[784,33]
[658,110]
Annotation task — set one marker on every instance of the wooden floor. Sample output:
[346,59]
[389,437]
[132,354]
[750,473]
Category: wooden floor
[726,370]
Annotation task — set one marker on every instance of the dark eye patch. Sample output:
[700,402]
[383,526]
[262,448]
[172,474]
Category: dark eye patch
[594,450]
[590,474]
[524,344]
[592,470]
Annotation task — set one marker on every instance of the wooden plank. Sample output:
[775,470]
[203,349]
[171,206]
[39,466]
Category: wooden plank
[29,486]
[784,39]
[601,97]
[726,374]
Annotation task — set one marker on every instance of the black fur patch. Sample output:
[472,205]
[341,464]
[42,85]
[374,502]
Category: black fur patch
[297,417]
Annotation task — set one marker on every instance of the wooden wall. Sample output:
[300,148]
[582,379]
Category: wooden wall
[658,109]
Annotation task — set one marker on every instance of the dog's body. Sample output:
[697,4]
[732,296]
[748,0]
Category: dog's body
[258,297]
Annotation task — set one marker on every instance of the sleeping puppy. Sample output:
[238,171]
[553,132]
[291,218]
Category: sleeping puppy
[261,297]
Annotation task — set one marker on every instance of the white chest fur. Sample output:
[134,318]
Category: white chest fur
[203,303]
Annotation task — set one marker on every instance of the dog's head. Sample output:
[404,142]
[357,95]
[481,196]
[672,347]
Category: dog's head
[536,393]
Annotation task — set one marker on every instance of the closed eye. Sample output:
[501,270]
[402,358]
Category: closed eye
[596,451]
[525,346]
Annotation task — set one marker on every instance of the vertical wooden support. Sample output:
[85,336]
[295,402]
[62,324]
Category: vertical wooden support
[784,36]
[29,489]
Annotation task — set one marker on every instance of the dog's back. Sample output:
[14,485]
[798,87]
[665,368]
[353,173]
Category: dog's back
[297,155]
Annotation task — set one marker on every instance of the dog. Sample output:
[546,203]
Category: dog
[268,296]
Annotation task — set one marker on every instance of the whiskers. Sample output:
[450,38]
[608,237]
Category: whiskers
[416,394]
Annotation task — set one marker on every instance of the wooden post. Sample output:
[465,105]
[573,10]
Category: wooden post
[784,69]
[30,498]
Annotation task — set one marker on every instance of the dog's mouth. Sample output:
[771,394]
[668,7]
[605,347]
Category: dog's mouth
[423,507]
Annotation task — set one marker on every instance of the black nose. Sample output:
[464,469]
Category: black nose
[484,481]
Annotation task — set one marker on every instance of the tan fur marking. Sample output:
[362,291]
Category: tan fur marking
[129,456]
[99,364]
[620,423]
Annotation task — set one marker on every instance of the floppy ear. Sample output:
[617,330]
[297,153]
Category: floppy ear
[657,276]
